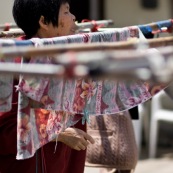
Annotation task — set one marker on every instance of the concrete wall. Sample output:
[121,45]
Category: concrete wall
[6,11]
[130,12]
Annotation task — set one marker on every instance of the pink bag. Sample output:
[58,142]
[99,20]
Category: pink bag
[115,144]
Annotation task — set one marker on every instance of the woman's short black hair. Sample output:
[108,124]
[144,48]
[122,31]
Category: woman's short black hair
[27,13]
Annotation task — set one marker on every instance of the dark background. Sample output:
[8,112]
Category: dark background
[81,9]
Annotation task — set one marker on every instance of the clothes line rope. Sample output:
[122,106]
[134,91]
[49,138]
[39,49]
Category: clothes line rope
[7,32]
[75,47]
[93,25]
[7,26]
[88,24]
[155,27]
[106,36]
[141,64]
[11,33]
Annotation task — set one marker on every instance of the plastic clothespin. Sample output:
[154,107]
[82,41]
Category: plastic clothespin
[95,25]
[163,29]
[7,27]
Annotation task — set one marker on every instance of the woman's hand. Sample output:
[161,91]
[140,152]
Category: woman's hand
[75,138]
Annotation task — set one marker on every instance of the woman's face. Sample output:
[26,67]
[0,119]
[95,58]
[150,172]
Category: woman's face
[66,25]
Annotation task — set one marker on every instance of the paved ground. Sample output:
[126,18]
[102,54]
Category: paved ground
[146,166]
[155,166]
[162,164]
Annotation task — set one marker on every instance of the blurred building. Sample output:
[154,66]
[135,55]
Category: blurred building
[6,11]
[123,13]
[133,12]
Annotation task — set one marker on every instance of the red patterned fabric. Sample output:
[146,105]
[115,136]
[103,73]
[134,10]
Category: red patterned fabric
[62,161]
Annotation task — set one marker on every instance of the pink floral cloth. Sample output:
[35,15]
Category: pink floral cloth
[61,99]
[39,126]
[6,82]
[49,105]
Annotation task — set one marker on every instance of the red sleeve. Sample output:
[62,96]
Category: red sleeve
[8,133]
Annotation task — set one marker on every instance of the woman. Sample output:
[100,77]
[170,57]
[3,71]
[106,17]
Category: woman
[43,19]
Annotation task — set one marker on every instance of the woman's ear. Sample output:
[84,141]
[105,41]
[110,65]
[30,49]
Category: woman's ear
[43,24]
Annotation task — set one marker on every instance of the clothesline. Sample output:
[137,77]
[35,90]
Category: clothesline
[140,64]
[85,24]
[159,26]
[155,27]
[11,33]
[104,23]
[7,26]
[150,28]
[56,49]
[93,24]
[107,36]
[18,32]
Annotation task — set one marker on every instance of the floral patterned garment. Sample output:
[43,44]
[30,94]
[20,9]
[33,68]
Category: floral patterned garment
[37,127]
[48,106]
[40,92]
[121,34]
[6,88]
[6,81]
